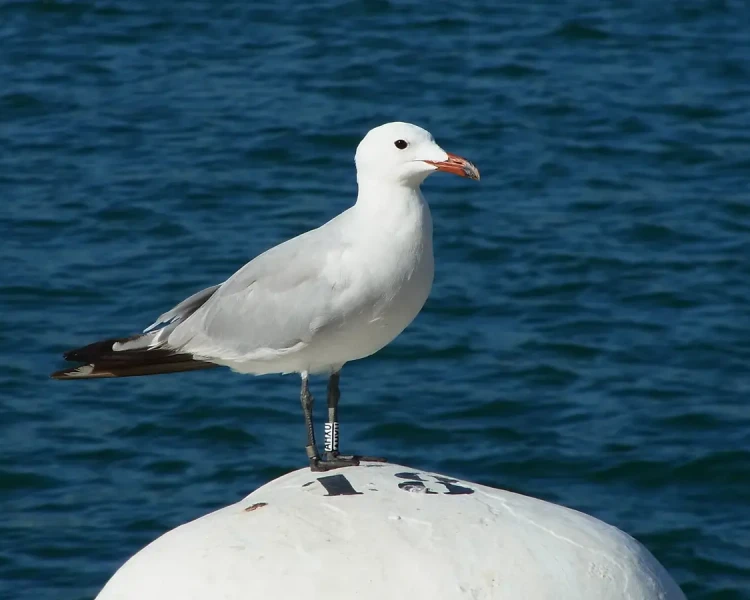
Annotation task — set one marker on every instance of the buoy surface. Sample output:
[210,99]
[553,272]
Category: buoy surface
[385,531]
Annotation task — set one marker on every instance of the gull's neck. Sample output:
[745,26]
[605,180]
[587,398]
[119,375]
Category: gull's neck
[391,219]
[382,198]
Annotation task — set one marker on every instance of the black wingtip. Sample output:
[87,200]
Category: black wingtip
[100,360]
[80,372]
[92,351]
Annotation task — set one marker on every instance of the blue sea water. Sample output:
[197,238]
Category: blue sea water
[587,340]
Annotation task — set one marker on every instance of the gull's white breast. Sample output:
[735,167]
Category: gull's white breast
[391,280]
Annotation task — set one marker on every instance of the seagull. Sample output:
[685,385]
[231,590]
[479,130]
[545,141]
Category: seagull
[310,305]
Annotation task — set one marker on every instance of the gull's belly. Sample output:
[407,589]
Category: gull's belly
[371,331]
[366,331]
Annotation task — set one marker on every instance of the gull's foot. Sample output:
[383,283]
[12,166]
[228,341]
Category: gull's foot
[333,462]
[338,456]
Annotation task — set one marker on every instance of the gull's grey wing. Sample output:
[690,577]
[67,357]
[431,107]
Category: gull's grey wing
[184,309]
[275,302]
[156,334]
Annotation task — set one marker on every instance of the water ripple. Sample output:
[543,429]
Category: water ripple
[586,340]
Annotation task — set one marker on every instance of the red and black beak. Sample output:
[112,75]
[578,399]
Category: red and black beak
[456,165]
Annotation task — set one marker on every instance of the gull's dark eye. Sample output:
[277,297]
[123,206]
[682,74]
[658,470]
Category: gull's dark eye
[401,144]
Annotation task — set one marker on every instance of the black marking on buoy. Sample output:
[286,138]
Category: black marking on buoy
[415,486]
[256,506]
[408,475]
[308,483]
[453,489]
[417,483]
[338,485]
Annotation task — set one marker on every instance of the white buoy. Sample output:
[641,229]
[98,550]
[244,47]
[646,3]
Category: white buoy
[389,532]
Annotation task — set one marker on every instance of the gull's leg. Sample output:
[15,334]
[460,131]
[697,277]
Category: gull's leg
[306,399]
[316,463]
[332,426]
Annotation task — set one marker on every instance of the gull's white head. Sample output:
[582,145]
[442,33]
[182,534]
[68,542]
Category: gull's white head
[405,154]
